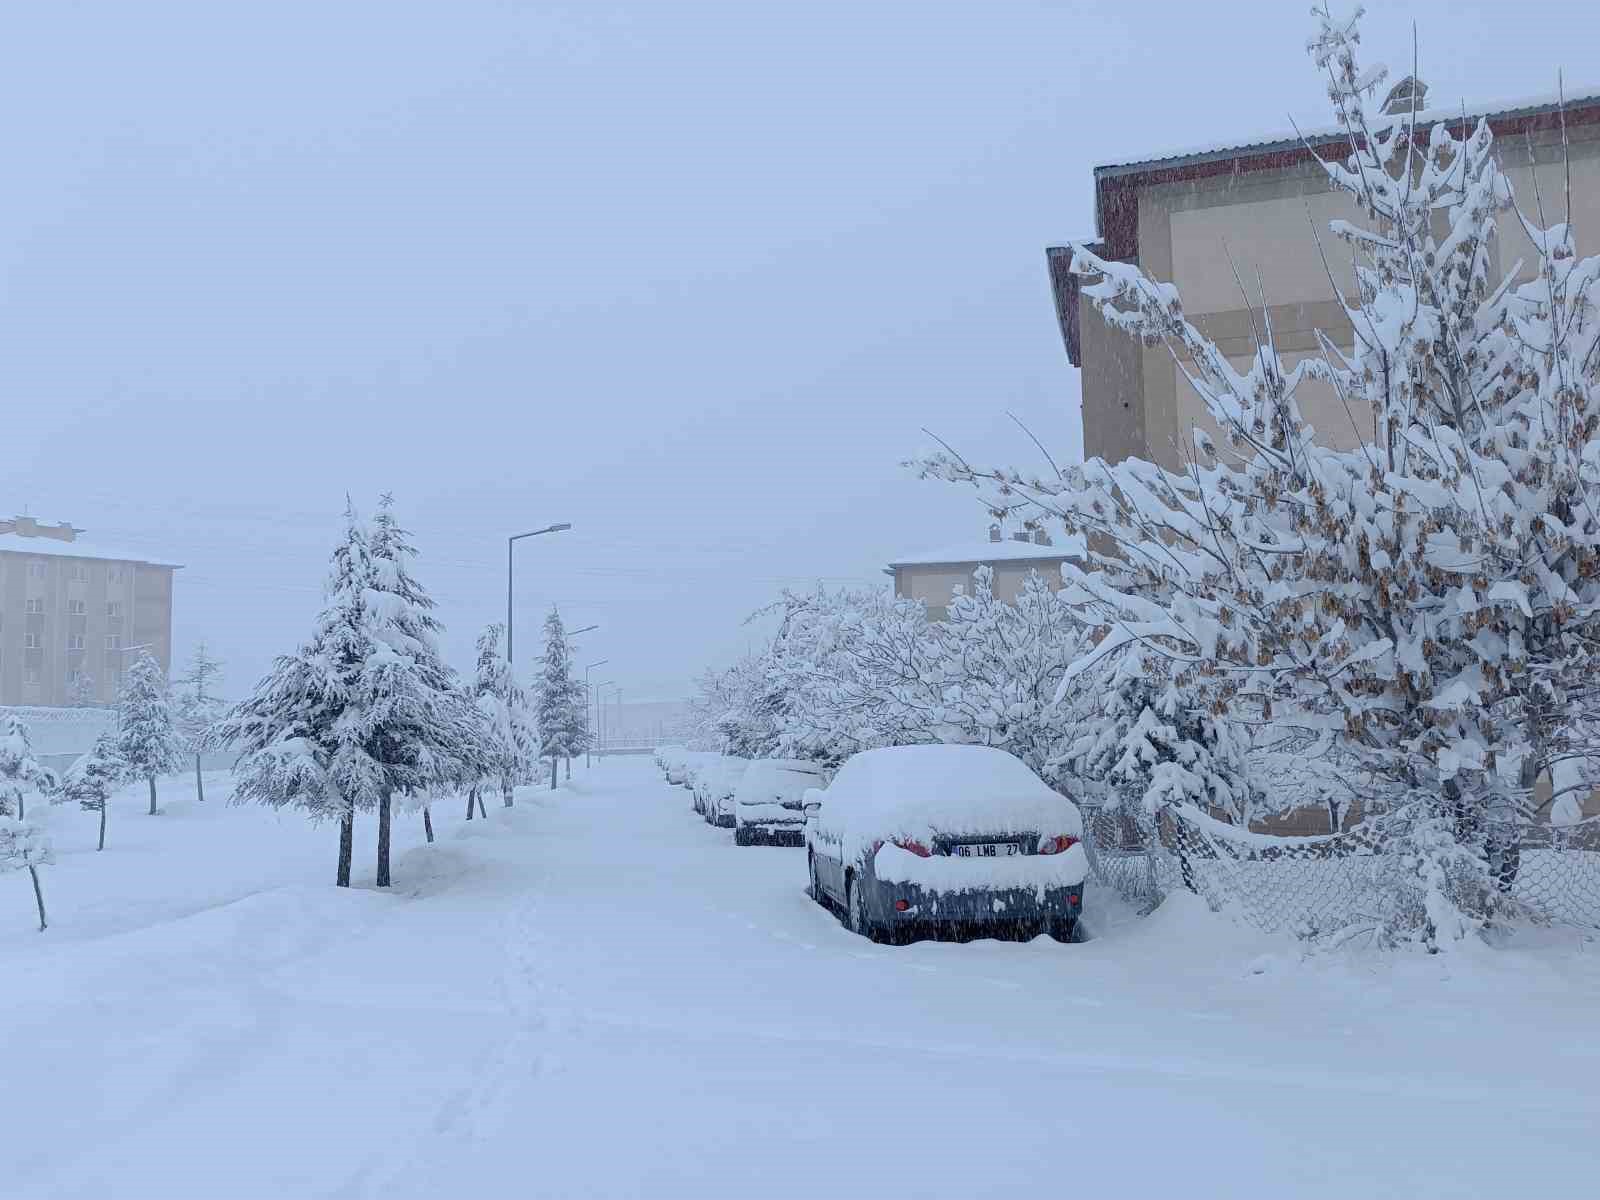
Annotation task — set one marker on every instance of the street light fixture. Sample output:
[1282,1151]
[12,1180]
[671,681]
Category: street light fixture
[510,545]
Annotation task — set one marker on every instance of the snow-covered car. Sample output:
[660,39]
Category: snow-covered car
[914,840]
[700,763]
[665,756]
[769,805]
[678,765]
[716,786]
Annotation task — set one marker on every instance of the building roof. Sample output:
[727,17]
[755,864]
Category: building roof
[1507,111]
[49,547]
[1117,185]
[980,553]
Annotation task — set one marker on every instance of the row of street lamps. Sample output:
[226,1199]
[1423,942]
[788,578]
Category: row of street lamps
[591,695]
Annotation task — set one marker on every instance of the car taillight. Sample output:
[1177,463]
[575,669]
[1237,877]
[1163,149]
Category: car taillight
[1056,845]
[915,847]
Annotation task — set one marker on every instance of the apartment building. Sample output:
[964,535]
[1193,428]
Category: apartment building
[933,575]
[1208,219]
[72,614]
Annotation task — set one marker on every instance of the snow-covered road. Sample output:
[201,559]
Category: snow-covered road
[595,994]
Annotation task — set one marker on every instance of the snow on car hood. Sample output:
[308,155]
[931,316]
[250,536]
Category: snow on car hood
[925,792]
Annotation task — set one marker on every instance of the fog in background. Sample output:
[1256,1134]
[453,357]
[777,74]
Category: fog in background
[690,276]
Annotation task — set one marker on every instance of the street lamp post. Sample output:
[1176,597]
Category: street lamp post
[587,696]
[510,545]
[600,712]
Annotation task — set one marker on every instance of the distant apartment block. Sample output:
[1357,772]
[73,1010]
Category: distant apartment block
[933,575]
[73,611]
[1244,224]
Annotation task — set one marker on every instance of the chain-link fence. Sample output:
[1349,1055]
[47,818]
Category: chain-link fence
[1369,877]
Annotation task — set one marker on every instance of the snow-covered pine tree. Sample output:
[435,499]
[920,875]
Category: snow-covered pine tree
[559,699]
[21,773]
[1425,607]
[423,731]
[1147,744]
[303,729]
[91,780]
[513,741]
[80,692]
[147,738]
[198,705]
[24,841]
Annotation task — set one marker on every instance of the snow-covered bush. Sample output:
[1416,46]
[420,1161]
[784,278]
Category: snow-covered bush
[147,737]
[1424,607]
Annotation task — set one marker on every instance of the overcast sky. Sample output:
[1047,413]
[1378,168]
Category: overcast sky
[690,276]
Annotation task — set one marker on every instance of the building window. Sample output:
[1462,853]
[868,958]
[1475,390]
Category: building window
[114,608]
[30,675]
[80,572]
[36,569]
[113,641]
[77,608]
[114,575]
[30,641]
[35,605]
[75,641]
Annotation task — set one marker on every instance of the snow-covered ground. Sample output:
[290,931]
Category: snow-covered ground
[596,994]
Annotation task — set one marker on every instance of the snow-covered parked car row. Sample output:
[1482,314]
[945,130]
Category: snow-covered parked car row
[908,841]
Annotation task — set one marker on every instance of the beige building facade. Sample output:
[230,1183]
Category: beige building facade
[1254,214]
[73,615]
[933,576]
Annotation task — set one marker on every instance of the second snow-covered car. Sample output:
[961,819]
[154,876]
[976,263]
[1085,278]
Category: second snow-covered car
[714,787]
[769,805]
[960,840]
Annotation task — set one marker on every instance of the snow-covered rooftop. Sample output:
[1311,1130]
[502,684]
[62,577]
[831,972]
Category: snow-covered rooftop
[50,547]
[1282,139]
[990,552]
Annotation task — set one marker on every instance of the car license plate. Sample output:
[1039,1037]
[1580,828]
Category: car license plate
[985,850]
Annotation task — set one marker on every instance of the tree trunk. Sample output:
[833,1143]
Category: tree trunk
[427,824]
[347,838]
[569,768]
[472,799]
[152,795]
[482,811]
[105,803]
[507,789]
[383,839]
[22,806]
[199,784]
[554,763]
[38,897]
